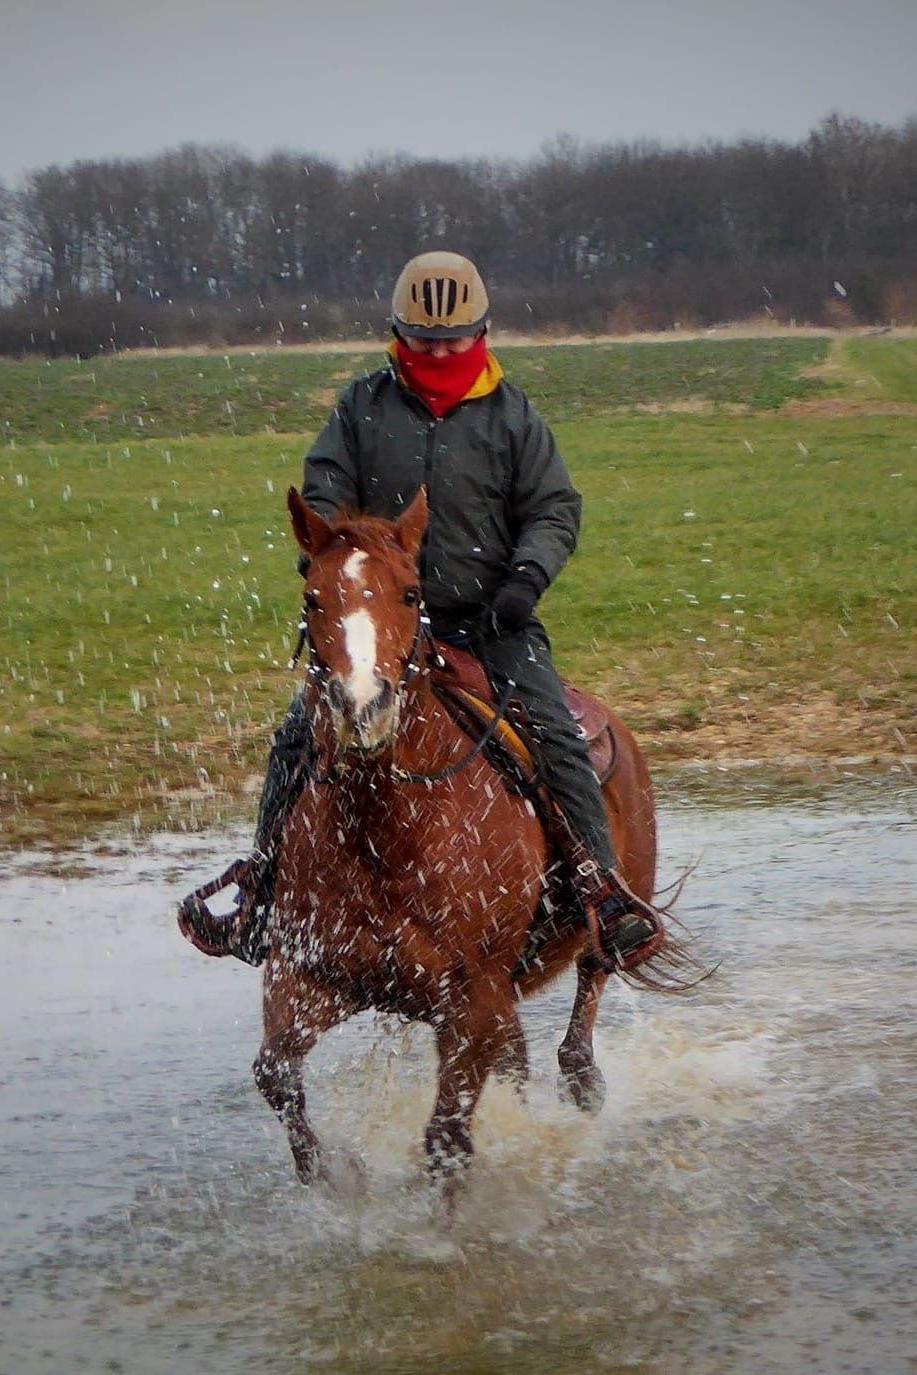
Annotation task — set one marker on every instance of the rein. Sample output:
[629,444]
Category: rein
[320,672]
[452,770]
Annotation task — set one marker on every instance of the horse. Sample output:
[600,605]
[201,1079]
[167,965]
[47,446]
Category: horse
[409,875]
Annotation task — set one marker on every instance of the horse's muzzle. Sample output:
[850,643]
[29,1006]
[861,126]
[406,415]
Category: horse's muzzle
[364,726]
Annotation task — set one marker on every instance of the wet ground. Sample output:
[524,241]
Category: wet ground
[745,1203]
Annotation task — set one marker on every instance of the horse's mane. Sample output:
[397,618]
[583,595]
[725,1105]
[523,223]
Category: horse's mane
[372,533]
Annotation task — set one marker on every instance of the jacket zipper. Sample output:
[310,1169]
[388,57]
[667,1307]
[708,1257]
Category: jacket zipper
[428,483]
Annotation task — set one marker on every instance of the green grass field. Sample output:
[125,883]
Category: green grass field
[880,370]
[290,393]
[745,581]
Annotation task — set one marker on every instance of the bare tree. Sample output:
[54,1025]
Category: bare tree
[204,238]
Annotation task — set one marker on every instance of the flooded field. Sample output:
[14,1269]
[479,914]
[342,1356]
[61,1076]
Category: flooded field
[745,1202]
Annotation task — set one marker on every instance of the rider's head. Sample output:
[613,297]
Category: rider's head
[439,304]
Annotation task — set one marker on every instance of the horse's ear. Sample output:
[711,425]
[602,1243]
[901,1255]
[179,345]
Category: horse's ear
[411,526]
[312,533]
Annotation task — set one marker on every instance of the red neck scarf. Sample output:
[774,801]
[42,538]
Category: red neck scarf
[442,382]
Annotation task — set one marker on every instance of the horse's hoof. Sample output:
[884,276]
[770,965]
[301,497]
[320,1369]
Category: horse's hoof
[583,1086]
[343,1172]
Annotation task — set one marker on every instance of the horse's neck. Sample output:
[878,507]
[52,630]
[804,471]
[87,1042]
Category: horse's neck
[429,738]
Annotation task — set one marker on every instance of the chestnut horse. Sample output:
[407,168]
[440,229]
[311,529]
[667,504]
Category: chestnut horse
[406,895]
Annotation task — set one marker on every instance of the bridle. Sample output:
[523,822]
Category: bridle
[423,652]
[320,670]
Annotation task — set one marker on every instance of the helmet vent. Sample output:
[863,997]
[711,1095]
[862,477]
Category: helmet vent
[440,296]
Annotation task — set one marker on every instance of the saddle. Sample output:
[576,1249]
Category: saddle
[461,681]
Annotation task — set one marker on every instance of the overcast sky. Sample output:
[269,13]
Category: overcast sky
[103,78]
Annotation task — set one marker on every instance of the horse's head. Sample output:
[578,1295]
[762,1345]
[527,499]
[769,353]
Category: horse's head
[362,601]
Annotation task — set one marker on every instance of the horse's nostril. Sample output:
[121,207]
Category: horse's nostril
[337,695]
[384,697]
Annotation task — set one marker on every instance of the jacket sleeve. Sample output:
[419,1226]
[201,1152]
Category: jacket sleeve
[331,481]
[546,505]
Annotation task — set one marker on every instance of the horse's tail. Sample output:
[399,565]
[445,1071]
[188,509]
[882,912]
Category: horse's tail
[673,968]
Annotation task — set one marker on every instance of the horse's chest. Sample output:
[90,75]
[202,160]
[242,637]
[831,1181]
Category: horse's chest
[379,900]
[381,929]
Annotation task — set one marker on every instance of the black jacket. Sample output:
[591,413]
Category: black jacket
[499,492]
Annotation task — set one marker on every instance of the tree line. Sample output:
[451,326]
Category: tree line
[209,245]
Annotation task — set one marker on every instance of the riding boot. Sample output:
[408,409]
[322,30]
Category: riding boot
[625,930]
[244,930]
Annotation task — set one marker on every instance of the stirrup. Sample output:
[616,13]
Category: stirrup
[625,930]
[241,932]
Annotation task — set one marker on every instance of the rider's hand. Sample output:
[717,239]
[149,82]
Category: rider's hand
[516,600]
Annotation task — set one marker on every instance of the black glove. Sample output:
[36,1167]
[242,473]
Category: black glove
[516,599]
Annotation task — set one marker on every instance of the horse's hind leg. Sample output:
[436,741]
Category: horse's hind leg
[294,1018]
[580,1077]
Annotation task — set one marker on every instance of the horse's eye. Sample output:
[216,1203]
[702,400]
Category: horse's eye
[311,602]
[412,596]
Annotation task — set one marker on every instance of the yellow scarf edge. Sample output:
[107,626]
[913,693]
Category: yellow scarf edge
[488,380]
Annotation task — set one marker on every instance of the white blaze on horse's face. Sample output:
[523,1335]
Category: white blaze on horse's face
[362,683]
[353,565]
[363,701]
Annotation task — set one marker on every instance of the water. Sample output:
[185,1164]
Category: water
[745,1202]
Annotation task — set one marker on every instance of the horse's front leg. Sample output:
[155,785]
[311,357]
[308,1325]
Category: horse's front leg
[580,1077]
[297,1009]
[471,1036]
[512,1064]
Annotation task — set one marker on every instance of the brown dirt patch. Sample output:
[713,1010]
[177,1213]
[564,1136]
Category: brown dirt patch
[841,408]
[688,405]
[740,329]
[681,725]
[726,730]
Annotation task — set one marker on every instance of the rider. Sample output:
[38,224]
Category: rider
[504,519]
